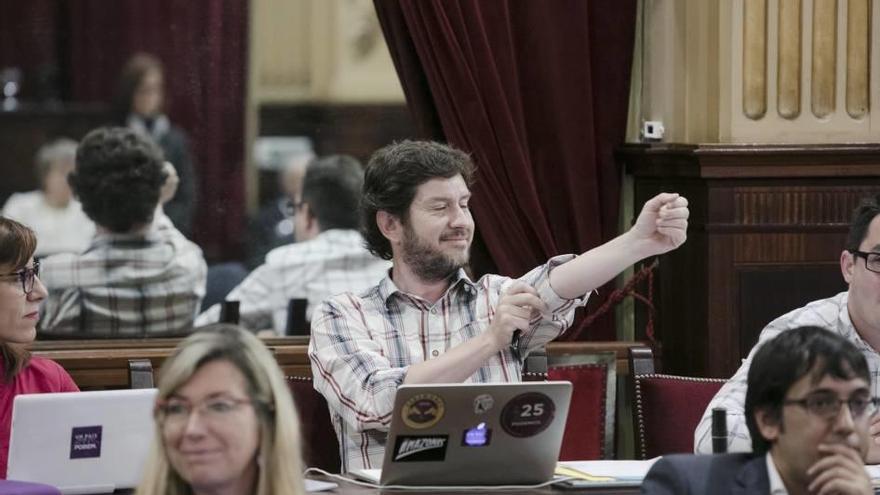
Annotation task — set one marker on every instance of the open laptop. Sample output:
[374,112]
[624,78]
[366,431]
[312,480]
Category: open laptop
[474,434]
[85,442]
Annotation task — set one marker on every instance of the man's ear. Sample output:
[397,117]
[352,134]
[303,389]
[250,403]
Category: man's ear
[847,264]
[311,219]
[769,424]
[390,226]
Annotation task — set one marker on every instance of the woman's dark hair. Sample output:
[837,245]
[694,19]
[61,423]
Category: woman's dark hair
[861,219]
[392,177]
[17,245]
[130,78]
[779,363]
[118,177]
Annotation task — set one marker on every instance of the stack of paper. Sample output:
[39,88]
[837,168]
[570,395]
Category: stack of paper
[603,473]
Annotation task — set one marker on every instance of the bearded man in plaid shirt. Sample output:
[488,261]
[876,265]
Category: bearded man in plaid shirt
[426,321]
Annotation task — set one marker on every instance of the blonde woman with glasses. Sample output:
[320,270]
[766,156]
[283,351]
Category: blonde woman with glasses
[225,421]
[21,293]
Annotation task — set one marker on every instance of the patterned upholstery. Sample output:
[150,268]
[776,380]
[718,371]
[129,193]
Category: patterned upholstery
[320,445]
[666,410]
[589,431]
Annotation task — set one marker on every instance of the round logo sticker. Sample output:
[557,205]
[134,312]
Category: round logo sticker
[483,403]
[527,414]
[422,411]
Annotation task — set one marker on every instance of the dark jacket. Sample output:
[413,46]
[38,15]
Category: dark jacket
[681,474]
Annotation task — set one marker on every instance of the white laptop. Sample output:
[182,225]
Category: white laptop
[82,442]
[474,434]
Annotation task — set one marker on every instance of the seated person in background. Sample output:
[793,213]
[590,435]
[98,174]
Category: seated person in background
[21,293]
[140,277]
[225,421]
[274,224]
[329,258]
[139,104]
[426,321]
[808,408]
[854,314]
[53,214]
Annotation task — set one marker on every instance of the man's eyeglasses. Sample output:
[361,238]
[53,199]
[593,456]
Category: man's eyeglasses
[27,277]
[828,406]
[872,260]
[292,207]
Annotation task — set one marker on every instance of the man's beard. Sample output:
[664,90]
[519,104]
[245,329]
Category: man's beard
[427,262]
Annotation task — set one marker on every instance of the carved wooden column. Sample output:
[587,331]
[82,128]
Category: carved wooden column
[768,224]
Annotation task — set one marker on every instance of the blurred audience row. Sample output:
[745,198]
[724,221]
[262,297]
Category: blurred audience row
[115,264]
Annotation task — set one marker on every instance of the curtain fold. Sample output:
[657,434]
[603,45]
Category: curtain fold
[537,93]
[203,47]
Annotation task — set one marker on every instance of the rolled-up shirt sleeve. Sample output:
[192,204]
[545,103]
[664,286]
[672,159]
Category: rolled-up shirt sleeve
[560,311]
[350,369]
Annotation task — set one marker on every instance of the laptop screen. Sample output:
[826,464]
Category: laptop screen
[473,433]
[82,442]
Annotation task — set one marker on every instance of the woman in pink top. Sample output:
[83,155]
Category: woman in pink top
[20,295]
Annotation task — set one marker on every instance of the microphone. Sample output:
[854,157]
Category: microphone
[229,312]
[719,430]
[514,343]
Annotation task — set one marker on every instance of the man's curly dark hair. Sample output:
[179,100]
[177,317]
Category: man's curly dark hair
[117,178]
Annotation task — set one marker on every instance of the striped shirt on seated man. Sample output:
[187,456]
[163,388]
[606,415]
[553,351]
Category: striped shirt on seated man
[140,277]
[328,258]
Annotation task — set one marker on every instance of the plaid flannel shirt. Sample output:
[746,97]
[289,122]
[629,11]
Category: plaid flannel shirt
[125,286]
[333,262]
[362,346]
[831,314]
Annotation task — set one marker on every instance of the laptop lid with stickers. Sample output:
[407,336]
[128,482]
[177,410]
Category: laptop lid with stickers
[475,433]
[82,442]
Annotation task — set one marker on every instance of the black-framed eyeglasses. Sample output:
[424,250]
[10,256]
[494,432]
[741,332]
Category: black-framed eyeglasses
[27,277]
[872,260]
[291,207]
[828,406]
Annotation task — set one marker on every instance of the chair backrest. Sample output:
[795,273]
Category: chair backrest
[589,431]
[297,324]
[666,408]
[320,445]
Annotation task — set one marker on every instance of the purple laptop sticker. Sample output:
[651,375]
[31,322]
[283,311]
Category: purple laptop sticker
[85,441]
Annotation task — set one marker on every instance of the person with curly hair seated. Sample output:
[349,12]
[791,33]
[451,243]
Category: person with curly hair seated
[140,277]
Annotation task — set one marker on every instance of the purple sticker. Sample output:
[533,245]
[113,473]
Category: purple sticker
[527,414]
[85,441]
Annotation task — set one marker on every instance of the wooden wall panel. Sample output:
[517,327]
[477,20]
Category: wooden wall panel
[789,59]
[754,80]
[824,57]
[858,62]
[758,244]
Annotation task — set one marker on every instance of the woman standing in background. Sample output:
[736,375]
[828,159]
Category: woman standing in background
[140,105]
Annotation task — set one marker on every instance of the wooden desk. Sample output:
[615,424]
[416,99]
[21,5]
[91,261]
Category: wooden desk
[103,364]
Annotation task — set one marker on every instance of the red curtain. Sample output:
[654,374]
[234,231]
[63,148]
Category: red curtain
[203,46]
[537,92]
[80,46]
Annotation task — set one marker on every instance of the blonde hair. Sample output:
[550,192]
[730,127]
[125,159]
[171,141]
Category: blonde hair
[280,471]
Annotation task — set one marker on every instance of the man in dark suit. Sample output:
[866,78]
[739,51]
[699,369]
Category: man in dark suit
[808,409]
